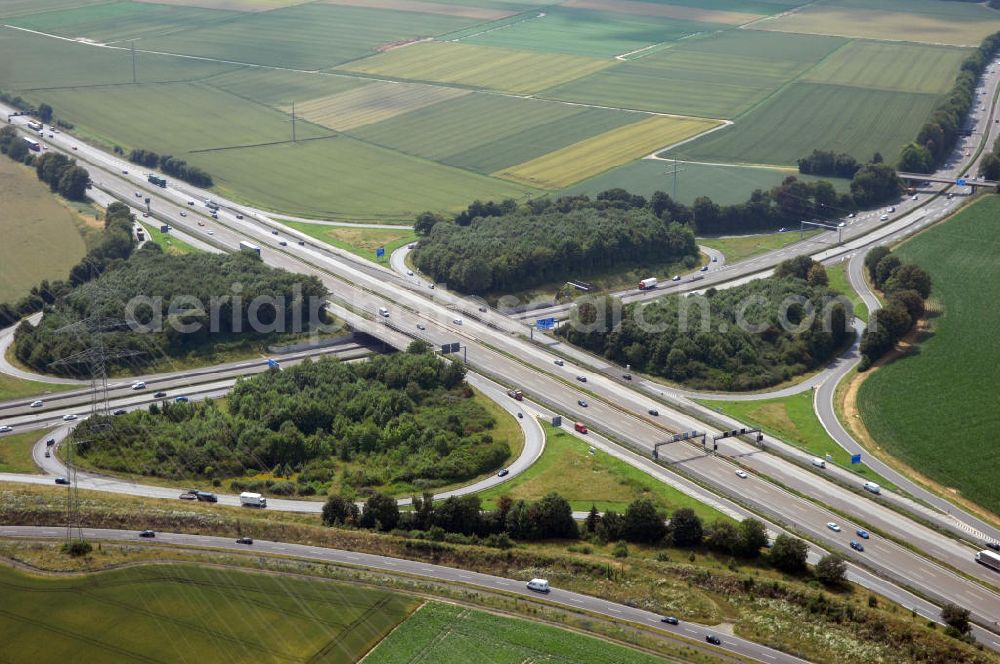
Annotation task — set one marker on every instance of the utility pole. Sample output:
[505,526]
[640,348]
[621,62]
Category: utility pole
[293,122]
[134,79]
[674,172]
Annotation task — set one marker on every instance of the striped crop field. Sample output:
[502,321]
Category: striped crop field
[665,10]
[588,158]
[522,72]
[373,103]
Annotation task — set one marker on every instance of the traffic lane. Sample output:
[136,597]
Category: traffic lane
[689,633]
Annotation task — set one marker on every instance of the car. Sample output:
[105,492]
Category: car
[503,473]
[412,245]
[283,243]
[950,196]
[457,321]
[653,412]
[183,213]
[138,194]
[187,495]
[670,620]
[69,418]
[147,533]
[581,403]
[139,385]
[914,197]
[782,230]
[6,429]
[124,170]
[627,376]
[37,403]
[559,363]
[482,310]
[62,480]
[582,379]
[863,534]
[302,243]
[409,273]
[244,540]
[713,639]
[676,277]
[884,217]
[181,399]
[421,326]
[45,147]
[201,223]
[239,216]
[741,474]
[993,545]
[431,286]
[190,202]
[145,214]
[704,268]
[892,208]
[715,259]
[48,454]
[857,546]
[520,415]
[274,232]
[50,442]
[74,147]
[211,232]
[120,411]
[833,526]
[160,395]
[851,215]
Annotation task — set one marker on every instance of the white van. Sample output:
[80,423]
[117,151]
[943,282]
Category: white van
[382,311]
[874,488]
[819,463]
[539,585]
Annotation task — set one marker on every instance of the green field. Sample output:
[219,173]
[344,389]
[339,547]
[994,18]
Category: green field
[721,75]
[793,420]
[183,613]
[278,88]
[582,32]
[446,634]
[11,8]
[486,133]
[359,241]
[15,451]
[585,479]
[837,274]
[467,65]
[931,21]
[808,116]
[937,408]
[167,242]
[890,66]
[723,183]
[308,36]
[41,236]
[345,188]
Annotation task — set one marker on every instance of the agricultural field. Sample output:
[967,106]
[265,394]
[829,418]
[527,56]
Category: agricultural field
[669,10]
[929,21]
[373,103]
[41,236]
[590,157]
[447,634]
[12,8]
[890,66]
[188,613]
[278,88]
[487,133]
[721,75]
[945,426]
[466,65]
[808,116]
[724,183]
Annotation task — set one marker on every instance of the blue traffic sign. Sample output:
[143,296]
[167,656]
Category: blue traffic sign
[273,364]
[855,459]
[960,182]
[380,252]
[545,323]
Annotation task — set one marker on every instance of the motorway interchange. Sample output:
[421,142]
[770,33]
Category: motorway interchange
[934,567]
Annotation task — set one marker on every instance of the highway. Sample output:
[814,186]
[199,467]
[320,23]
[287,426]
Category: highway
[496,346]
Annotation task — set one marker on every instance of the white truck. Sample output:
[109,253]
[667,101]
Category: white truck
[648,283]
[988,558]
[248,499]
[249,246]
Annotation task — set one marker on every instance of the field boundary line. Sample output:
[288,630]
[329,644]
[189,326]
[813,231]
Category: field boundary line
[261,145]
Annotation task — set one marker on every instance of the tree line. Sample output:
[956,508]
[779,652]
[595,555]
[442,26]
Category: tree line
[61,173]
[109,253]
[408,418]
[831,164]
[206,281]
[989,165]
[747,337]
[907,287]
[172,166]
[938,136]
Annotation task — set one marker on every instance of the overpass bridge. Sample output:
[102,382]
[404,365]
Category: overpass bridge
[962,182]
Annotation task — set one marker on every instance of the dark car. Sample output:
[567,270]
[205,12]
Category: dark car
[244,540]
[50,442]
[670,620]
[582,379]
[274,232]
[120,411]
[206,497]
[857,546]
[713,639]
[863,534]
[627,376]
[147,533]
[582,403]
[62,480]
[181,399]
[654,412]
[993,545]
[160,395]
[503,473]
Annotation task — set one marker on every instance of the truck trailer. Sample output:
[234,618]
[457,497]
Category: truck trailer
[247,246]
[989,558]
[248,499]
[647,284]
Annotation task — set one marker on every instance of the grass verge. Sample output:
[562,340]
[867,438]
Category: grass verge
[15,451]
[361,242]
[837,274]
[739,247]
[16,388]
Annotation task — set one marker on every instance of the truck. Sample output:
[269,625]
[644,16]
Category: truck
[517,395]
[34,126]
[248,499]
[157,180]
[647,284]
[140,235]
[580,427]
[33,145]
[248,246]
[211,205]
[873,488]
[989,558]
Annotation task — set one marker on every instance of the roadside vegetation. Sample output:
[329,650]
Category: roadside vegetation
[360,241]
[400,423]
[722,352]
[739,247]
[15,451]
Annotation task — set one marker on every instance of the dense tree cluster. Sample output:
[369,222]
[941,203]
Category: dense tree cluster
[989,165]
[520,247]
[402,418]
[907,287]
[938,136]
[172,166]
[175,296]
[110,252]
[875,183]
[56,170]
[743,338]
[830,164]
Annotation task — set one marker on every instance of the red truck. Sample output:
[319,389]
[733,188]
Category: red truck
[517,395]
[580,427]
